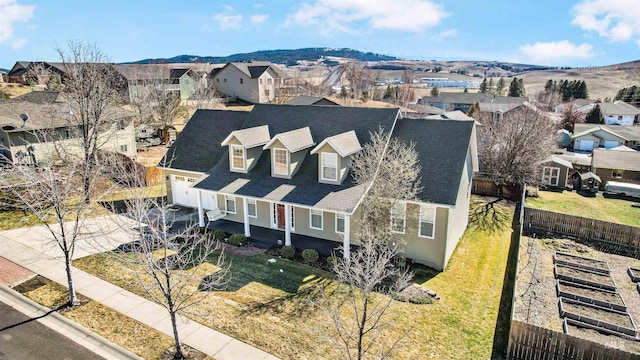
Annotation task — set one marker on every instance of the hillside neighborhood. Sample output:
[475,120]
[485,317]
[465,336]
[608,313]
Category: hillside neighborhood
[298,210]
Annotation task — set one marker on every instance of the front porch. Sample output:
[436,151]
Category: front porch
[267,238]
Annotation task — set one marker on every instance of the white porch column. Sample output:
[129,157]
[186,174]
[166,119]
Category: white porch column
[200,210]
[287,225]
[245,209]
[347,236]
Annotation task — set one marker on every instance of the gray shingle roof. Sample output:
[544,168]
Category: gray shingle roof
[626,132]
[618,109]
[344,144]
[294,140]
[612,159]
[303,188]
[442,149]
[198,148]
[251,137]
[470,98]
[310,100]
[39,97]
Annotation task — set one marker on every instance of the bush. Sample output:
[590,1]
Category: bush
[331,261]
[288,252]
[219,234]
[238,240]
[310,256]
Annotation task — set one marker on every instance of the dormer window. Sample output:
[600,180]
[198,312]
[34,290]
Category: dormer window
[333,157]
[237,156]
[329,165]
[280,162]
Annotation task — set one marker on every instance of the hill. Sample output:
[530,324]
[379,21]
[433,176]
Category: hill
[288,57]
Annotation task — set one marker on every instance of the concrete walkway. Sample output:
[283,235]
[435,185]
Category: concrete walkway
[23,251]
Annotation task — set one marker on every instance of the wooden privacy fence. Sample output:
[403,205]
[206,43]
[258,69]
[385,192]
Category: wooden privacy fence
[536,220]
[530,342]
[485,187]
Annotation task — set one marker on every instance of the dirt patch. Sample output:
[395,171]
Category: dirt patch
[581,262]
[584,277]
[606,296]
[597,314]
[536,300]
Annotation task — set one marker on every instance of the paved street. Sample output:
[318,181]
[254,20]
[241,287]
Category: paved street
[26,339]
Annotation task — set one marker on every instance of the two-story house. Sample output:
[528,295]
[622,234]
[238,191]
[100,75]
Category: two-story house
[255,82]
[287,168]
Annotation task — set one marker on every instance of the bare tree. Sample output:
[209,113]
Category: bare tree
[509,148]
[153,95]
[176,265]
[38,75]
[570,117]
[53,195]
[205,93]
[91,87]
[359,309]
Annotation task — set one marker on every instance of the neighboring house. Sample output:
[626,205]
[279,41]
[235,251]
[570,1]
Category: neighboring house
[145,131]
[587,137]
[311,100]
[621,166]
[48,126]
[255,82]
[286,168]
[463,101]
[555,172]
[580,162]
[615,113]
[20,71]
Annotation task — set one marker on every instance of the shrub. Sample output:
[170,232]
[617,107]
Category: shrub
[219,234]
[238,240]
[310,256]
[288,252]
[331,261]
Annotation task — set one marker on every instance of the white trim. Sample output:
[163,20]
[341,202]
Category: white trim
[344,221]
[404,217]
[227,198]
[547,178]
[311,214]
[433,234]
[255,206]
[322,155]
[232,149]
[273,159]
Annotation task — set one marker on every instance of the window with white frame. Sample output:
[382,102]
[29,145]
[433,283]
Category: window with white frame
[230,203]
[329,166]
[237,155]
[398,217]
[617,173]
[315,219]
[427,222]
[550,175]
[280,162]
[252,209]
[340,218]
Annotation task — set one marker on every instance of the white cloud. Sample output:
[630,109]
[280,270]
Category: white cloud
[18,43]
[11,12]
[229,19]
[616,20]
[444,35]
[343,15]
[553,53]
[258,19]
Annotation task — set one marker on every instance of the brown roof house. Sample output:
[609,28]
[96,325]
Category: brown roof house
[282,173]
[621,166]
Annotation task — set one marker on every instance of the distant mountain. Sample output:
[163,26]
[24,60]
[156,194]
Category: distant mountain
[275,56]
[4,71]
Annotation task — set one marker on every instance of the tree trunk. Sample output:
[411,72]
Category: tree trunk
[73,299]
[361,327]
[174,325]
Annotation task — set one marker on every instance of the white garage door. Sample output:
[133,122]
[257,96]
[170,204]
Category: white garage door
[182,193]
[586,145]
[608,144]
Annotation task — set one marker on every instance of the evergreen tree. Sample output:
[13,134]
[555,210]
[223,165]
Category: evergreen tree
[466,90]
[435,91]
[474,110]
[548,86]
[521,87]
[582,92]
[490,88]
[595,116]
[500,87]
[516,88]
[483,87]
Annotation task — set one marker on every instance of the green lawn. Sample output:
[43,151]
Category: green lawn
[599,207]
[267,304]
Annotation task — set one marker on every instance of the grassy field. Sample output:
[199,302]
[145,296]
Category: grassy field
[267,304]
[599,207]
[14,90]
[120,329]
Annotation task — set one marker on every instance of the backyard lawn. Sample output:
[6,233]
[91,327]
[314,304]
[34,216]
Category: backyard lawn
[598,207]
[267,304]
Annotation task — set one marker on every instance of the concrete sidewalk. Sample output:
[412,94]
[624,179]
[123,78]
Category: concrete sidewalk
[197,336]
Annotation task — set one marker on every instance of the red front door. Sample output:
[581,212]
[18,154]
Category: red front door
[280,216]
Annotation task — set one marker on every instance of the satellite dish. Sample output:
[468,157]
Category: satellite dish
[24,117]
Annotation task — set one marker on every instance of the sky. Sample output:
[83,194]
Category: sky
[543,32]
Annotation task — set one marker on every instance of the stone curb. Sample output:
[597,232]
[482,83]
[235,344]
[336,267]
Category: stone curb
[64,326]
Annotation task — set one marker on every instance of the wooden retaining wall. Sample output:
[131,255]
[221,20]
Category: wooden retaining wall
[530,342]
[542,221]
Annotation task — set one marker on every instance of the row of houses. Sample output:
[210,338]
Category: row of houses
[254,82]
